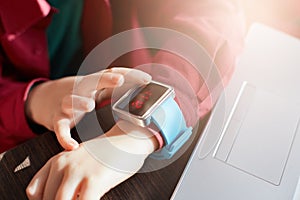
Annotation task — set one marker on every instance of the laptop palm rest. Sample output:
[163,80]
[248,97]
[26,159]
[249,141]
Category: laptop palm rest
[259,134]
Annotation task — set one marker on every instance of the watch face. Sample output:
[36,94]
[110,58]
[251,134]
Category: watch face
[139,101]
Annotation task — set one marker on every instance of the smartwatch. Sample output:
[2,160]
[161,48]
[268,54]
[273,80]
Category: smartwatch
[154,105]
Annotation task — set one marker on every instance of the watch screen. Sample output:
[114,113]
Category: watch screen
[144,98]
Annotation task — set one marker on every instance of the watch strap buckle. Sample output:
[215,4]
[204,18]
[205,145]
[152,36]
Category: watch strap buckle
[169,150]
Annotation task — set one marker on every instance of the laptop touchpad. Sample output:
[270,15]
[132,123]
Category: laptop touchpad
[258,140]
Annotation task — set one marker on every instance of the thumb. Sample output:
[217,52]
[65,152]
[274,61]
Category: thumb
[62,131]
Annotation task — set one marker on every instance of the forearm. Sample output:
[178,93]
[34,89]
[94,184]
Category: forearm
[217,27]
[14,127]
[131,138]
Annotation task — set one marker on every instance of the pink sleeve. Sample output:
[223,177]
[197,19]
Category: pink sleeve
[218,25]
[14,128]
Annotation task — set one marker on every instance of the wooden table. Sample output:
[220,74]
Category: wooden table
[155,185]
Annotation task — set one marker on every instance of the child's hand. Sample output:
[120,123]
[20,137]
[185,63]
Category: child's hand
[60,104]
[77,172]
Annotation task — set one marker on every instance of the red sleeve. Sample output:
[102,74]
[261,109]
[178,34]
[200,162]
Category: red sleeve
[14,128]
[218,26]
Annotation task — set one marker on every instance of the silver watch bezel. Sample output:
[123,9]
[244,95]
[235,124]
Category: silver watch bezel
[143,120]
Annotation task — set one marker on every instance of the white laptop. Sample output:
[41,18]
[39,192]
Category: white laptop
[255,154]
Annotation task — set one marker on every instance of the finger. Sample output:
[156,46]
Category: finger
[111,78]
[103,94]
[73,103]
[87,85]
[62,131]
[54,180]
[133,75]
[69,187]
[91,190]
[36,187]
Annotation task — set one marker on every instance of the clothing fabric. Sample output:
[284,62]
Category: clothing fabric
[24,56]
[64,37]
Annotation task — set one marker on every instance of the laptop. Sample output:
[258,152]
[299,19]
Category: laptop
[250,148]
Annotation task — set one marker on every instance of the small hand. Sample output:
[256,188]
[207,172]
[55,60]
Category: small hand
[77,173]
[60,104]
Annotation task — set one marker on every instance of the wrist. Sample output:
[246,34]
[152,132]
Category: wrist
[132,138]
[154,104]
[34,101]
[29,108]
[29,105]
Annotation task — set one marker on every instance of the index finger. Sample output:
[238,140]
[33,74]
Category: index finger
[35,189]
[133,75]
[109,78]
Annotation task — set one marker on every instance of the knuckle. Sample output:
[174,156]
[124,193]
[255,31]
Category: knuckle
[29,193]
[87,105]
[66,101]
[61,160]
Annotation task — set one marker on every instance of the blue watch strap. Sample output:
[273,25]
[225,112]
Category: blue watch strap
[171,123]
